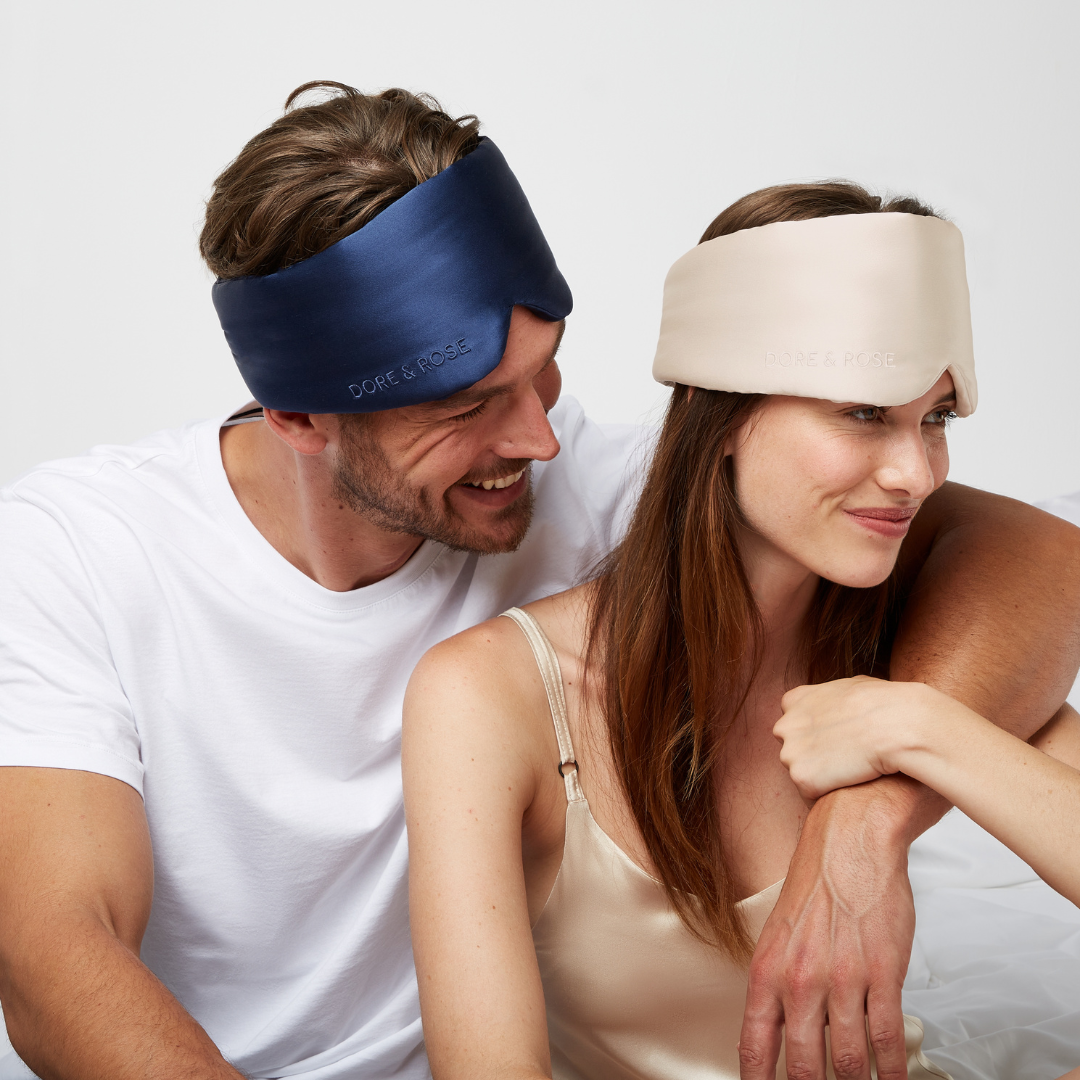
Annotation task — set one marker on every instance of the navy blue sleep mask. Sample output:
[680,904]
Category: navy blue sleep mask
[412,307]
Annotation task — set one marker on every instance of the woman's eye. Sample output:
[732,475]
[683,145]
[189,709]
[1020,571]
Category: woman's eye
[867,414]
[941,417]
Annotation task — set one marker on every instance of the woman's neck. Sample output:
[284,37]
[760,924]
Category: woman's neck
[783,589]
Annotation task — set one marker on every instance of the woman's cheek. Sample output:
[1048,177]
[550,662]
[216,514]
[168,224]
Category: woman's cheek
[767,486]
[837,467]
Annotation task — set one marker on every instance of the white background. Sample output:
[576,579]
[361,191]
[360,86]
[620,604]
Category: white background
[630,126]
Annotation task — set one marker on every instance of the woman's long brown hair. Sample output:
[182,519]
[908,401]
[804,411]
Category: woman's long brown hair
[676,637]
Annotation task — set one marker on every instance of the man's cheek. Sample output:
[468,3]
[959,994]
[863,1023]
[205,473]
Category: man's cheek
[437,466]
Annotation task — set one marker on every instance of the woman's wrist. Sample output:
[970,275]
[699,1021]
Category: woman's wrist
[931,737]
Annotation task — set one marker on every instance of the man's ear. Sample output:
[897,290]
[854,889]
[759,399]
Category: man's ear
[303,432]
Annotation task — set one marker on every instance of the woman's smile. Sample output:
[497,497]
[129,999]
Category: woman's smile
[890,521]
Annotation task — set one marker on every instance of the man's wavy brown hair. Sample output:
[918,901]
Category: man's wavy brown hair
[676,637]
[323,171]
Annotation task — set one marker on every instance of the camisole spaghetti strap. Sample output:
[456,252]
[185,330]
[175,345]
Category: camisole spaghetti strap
[631,994]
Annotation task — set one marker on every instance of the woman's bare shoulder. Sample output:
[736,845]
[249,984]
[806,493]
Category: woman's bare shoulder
[483,664]
[487,644]
[491,646]
[479,697]
[564,618]
[486,677]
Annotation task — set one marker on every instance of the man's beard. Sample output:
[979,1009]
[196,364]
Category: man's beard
[365,481]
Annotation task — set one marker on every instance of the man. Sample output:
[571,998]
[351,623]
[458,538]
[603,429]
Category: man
[206,636]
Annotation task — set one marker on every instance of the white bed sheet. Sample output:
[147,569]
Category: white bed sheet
[995,968]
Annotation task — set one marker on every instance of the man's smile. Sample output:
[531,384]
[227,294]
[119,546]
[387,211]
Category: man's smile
[497,492]
[501,482]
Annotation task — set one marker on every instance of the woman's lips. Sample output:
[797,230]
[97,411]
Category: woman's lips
[891,521]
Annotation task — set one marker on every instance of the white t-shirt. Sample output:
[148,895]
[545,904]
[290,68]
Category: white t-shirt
[150,633]
[1067,507]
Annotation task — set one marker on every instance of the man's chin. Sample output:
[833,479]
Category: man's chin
[499,540]
[493,534]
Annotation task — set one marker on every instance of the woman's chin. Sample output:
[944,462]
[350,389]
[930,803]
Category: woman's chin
[858,582]
[859,573]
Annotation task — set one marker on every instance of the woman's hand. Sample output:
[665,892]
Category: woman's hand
[854,730]
[851,731]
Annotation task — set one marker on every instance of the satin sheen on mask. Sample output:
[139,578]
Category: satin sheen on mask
[412,307]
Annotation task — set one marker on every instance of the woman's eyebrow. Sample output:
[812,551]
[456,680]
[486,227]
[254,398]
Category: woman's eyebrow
[949,397]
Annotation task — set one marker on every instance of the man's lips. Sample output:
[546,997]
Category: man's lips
[494,497]
[891,521]
[497,482]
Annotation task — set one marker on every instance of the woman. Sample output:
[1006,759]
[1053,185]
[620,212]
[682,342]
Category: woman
[599,833]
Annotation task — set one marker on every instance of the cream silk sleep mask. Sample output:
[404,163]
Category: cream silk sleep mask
[869,308]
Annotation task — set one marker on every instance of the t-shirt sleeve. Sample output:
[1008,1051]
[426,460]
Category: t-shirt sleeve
[61,702]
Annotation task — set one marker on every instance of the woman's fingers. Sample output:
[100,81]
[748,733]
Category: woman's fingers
[825,744]
[794,696]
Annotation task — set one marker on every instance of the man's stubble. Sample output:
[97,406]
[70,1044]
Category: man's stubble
[364,480]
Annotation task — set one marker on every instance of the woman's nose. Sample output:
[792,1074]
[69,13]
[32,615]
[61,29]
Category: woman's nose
[906,467]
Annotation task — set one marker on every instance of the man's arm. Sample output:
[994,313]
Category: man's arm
[992,615]
[992,618]
[76,881]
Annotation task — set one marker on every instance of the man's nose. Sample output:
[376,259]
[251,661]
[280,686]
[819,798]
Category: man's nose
[525,431]
[905,467]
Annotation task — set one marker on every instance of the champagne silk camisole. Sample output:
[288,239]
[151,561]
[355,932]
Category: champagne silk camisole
[631,994]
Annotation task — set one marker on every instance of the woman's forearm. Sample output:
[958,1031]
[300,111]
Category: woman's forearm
[851,731]
[1026,799]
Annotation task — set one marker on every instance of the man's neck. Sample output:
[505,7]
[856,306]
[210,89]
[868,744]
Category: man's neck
[289,499]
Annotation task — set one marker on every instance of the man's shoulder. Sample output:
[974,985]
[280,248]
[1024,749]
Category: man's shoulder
[107,502]
[163,464]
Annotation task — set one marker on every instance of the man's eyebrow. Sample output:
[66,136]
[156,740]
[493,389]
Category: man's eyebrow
[472,396]
[951,396]
[469,396]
